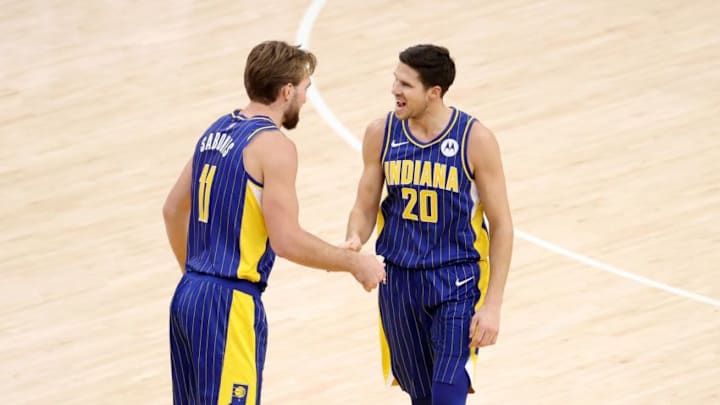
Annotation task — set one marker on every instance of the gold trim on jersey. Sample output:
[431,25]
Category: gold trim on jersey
[484,281]
[264,118]
[482,246]
[388,133]
[253,234]
[463,152]
[380,222]
[257,131]
[482,239]
[385,356]
[239,365]
[453,121]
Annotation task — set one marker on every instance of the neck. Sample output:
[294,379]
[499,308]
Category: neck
[431,121]
[273,111]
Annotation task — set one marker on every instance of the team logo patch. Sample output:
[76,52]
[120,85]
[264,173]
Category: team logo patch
[449,147]
[239,394]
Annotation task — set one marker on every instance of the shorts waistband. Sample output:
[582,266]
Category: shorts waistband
[245,286]
[440,267]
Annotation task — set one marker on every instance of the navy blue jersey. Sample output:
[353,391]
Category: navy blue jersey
[431,216]
[227,235]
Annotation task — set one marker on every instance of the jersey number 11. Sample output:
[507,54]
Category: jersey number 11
[206,179]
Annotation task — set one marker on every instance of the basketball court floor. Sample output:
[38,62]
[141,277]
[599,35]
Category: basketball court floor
[607,113]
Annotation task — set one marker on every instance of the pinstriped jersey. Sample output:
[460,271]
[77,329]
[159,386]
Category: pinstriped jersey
[227,235]
[431,216]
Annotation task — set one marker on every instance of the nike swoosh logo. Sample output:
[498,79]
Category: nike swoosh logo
[459,283]
[394,144]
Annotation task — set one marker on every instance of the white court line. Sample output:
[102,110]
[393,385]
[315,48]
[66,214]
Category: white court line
[303,38]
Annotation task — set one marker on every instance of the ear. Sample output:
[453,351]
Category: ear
[288,91]
[435,92]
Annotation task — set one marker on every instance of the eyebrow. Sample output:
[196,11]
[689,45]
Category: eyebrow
[401,81]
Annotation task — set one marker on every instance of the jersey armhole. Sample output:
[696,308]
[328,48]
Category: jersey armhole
[386,136]
[249,139]
[464,149]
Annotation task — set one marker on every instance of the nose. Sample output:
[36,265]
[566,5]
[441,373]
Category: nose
[395,90]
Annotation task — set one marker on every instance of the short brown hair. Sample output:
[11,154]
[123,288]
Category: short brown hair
[273,64]
[433,63]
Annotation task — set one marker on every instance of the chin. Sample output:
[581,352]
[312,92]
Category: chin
[401,113]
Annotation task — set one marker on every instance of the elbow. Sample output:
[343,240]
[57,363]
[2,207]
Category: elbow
[283,247]
[289,243]
[280,249]
[170,210]
[510,229]
[367,215]
[502,227]
[167,211]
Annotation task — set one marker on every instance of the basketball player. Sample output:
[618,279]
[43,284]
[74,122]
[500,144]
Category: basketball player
[443,174]
[232,209]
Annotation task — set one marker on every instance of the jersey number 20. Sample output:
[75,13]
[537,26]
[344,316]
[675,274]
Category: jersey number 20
[206,179]
[427,202]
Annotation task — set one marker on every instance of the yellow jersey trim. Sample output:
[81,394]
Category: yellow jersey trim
[388,131]
[463,149]
[450,126]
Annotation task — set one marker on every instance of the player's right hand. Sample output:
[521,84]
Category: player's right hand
[369,271]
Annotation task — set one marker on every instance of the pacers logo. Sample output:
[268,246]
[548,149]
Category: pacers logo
[239,394]
[449,147]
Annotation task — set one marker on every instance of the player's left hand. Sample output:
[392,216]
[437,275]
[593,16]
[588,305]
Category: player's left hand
[484,326]
[352,243]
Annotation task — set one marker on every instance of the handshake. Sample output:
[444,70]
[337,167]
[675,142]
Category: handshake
[366,268]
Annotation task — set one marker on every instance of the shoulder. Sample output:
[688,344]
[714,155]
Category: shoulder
[480,132]
[271,156]
[375,130]
[376,126]
[373,139]
[482,147]
[274,142]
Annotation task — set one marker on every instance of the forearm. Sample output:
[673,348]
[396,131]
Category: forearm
[361,224]
[308,250]
[176,227]
[501,243]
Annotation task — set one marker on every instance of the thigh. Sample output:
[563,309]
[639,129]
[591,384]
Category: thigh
[405,334]
[243,356]
[220,336]
[459,290]
[450,339]
[184,383]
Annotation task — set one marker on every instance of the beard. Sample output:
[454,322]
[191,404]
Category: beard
[414,110]
[291,117]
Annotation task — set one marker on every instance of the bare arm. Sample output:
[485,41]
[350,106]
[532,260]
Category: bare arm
[484,156]
[176,213]
[364,213]
[277,159]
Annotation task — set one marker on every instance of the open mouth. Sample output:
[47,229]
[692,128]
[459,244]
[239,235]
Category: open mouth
[400,104]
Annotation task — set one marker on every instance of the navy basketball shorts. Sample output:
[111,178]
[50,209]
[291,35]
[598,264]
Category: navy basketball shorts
[425,320]
[218,340]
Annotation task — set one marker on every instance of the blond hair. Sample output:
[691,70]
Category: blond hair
[273,64]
